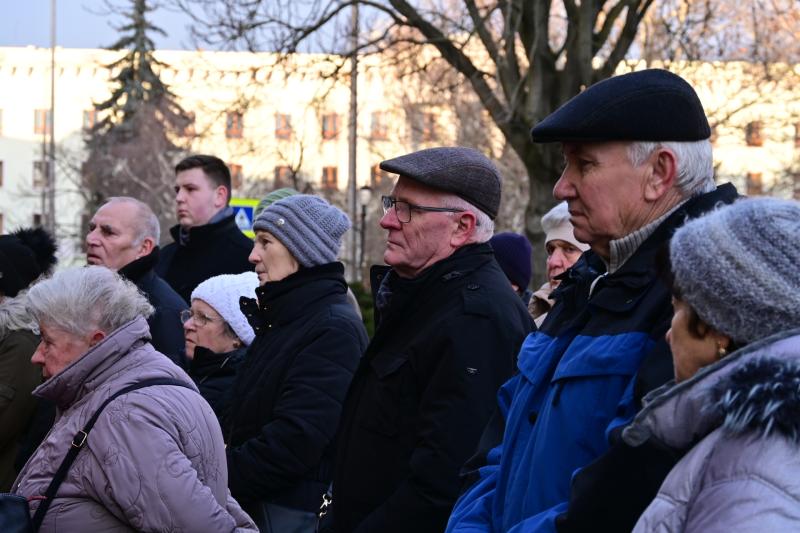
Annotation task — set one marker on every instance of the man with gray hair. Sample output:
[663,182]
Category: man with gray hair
[448,328]
[637,165]
[123,236]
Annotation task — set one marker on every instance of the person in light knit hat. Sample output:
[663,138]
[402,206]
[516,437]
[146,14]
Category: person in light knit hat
[721,443]
[563,250]
[285,409]
[217,334]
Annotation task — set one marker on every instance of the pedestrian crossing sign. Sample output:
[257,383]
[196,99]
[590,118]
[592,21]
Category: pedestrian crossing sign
[243,209]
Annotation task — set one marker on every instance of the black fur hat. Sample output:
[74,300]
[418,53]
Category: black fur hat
[25,255]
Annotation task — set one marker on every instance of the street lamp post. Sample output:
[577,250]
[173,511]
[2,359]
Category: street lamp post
[364,197]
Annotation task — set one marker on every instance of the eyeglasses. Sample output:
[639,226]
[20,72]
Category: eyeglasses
[403,209]
[200,319]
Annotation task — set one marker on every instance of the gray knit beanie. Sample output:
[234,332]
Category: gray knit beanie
[739,267]
[308,226]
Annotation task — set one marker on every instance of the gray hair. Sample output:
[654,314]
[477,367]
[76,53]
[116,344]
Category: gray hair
[695,163]
[146,221]
[80,299]
[14,315]
[484,226]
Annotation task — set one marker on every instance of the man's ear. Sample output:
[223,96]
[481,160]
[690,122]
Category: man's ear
[145,247]
[221,196]
[464,230]
[662,173]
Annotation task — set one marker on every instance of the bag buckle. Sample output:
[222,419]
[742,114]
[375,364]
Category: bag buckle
[326,502]
[82,435]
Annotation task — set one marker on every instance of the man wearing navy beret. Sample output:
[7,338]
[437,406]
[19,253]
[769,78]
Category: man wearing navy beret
[637,164]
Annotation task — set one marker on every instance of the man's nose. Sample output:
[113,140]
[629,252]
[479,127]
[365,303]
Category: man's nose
[563,189]
[389,220]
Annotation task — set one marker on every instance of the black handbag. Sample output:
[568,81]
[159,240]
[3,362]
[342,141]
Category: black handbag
[15,514]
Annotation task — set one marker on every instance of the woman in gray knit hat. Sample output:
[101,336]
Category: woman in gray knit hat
[288,393]
[733,412]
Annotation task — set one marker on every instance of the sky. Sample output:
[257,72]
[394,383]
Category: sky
[80,24]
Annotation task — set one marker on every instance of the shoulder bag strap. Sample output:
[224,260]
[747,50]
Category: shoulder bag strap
[79,440]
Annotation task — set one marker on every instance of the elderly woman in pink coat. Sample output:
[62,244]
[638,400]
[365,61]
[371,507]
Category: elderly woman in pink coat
[155,459]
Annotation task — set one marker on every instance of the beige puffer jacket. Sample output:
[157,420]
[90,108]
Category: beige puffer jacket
[155,460]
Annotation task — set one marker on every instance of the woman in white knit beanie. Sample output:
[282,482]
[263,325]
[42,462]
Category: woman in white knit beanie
[217,334]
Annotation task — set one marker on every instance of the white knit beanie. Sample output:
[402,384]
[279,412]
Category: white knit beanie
[556,225]
[739,267]
[223,293]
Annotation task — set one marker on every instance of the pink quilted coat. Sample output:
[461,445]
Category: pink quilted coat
[155,460]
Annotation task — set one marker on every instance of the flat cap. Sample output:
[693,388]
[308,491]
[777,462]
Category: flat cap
[465,172]
[648,105]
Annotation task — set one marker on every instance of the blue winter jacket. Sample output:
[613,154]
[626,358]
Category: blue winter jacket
[577,381]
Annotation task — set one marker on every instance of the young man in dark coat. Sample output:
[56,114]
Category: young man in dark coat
[207,240]
[449,327]
[123,236]
[637,165]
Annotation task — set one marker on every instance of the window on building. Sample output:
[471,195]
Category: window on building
[234,125]
[42,122]
[89,119]
[237,175]
[714,135]
[330,178]
[754,184]
[37,220]
[796,134]
[423,126]
[188,126]
[40,171]
[283,126]
[378,127]
[330,126]
[754,134]
[283,176]
[378,177]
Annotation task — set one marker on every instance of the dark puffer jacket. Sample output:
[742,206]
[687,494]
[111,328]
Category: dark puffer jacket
[211,250]
[165,324]
[214,374]
[288,394]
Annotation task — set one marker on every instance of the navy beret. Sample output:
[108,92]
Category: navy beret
[648,105]
[465,172]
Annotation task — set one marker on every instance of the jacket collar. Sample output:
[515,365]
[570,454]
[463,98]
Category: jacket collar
[205,362]
[640,268]
[93,368]
[722,393]
[137,268]
[196,236]
[401,291]
[280,302]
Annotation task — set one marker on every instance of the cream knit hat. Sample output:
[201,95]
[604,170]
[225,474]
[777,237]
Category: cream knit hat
[223,293]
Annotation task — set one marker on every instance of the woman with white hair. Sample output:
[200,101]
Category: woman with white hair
[154,459]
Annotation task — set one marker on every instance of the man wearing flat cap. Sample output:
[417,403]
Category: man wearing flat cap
[449,326]
[637,165]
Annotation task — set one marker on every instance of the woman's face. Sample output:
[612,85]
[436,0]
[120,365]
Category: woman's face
[205,327]
[59,348]
[272,260]
[691,350]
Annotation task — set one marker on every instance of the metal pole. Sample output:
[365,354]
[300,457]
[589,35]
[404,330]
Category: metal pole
[351,192]
[51,166]
[363,231]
